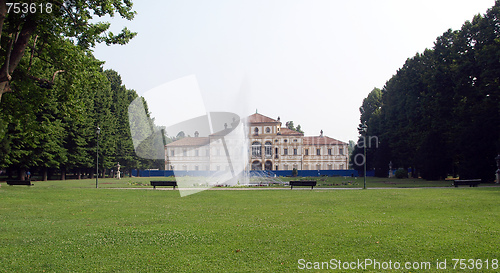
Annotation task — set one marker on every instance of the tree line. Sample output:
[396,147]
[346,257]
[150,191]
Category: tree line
[55,93]
[440,113]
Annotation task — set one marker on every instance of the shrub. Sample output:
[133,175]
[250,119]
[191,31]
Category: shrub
[401,173]
[295,172]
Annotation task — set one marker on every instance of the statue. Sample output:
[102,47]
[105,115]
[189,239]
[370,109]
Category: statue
[118,171]
[498,169]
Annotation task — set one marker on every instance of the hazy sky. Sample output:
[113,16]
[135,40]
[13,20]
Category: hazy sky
[310,61]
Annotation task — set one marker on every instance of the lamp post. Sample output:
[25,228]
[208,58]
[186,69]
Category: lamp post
[498,168]
[98,131]
[364,128]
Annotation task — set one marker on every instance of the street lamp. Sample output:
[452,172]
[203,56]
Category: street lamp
[98,131]
[364,128]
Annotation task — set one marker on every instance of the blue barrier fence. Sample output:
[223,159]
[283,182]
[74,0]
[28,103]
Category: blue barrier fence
[302,173]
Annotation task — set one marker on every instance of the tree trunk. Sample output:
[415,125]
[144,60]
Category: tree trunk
[44,174]
[15,51]
[79,174]
[63,174]
[21,174]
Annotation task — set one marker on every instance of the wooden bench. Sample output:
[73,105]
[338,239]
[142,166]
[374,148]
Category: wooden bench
[19,182]
[306,183]
[163,184]
[471,182]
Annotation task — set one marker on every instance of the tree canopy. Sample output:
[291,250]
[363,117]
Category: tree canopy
[440,113]
[59,93]
[37,29]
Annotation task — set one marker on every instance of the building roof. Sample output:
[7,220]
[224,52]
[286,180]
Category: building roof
[288,132]
[322,140]
[258,118]
[190,141]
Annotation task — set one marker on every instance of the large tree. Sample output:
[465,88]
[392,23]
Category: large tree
[440,113]
[27,26]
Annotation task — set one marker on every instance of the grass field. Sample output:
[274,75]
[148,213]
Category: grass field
[63,226]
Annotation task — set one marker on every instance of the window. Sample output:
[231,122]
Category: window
[256,149]
[294,151]
[285,151]
[295,140]
[330,167]
[268,149]
[329,151]
[341,167]
[341,151]
[307,152]
[318,151]
[286,140]
[285,167]
[171,167]
[268,130]
[256,130]
[318,167]
[172,153]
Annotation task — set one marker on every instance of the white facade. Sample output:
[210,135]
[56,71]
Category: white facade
[270,147]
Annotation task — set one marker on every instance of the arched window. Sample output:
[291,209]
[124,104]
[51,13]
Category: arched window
[256,165]
[269,149]
[256,149]
[268,166]
[256,130]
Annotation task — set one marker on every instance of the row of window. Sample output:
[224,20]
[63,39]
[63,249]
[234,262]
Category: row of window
[257,165]
[256,150]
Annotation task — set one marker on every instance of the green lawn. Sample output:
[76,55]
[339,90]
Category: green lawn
[62,226]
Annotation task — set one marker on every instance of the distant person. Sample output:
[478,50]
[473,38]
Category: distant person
[28,175]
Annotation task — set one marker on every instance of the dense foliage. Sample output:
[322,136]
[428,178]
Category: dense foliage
[440,114]
[57,93]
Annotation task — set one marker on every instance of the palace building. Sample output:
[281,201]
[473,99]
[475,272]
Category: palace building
[270,147]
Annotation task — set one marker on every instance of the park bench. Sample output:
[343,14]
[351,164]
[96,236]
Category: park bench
[306,183]
[470,182]
[19,182]
[163,184]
